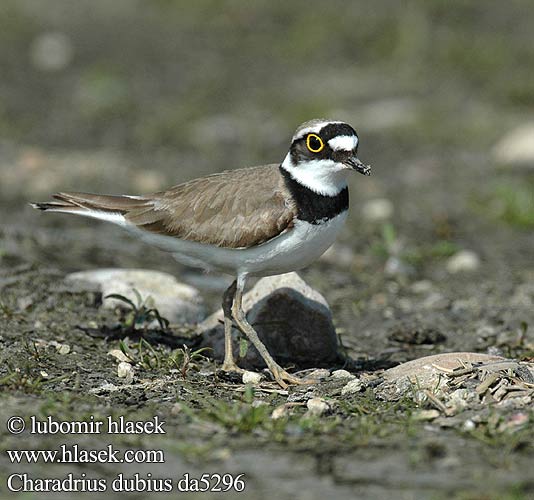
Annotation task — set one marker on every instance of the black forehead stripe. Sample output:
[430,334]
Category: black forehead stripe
[334,129]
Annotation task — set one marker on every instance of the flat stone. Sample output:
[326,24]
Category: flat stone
[292,320]
[178,302]
[425,371]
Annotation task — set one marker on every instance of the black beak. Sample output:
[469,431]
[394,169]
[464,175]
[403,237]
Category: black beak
[356,164]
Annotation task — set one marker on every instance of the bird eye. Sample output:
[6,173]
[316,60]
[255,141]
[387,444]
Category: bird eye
[315,143]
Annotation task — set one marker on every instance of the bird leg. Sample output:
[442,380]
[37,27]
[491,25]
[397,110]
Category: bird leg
[280,375]
[229,364]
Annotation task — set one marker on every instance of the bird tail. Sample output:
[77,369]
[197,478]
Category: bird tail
[104,207]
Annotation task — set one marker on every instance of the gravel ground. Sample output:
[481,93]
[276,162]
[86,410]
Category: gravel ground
[436,256]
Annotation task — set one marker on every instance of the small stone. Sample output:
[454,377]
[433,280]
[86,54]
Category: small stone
[516,148]
[424,415]
[463,261]
[125,371]
[253,378]
[178,302]
[342,374]
[119,355]
[63,348]
[317,406]
[352,387]
[280,412]
[377,210]
[43,374]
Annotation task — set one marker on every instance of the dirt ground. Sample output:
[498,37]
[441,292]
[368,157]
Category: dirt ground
[138,96]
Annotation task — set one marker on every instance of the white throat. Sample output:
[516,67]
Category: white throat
[325,177]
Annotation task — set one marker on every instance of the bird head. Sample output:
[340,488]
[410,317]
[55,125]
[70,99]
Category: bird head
[322,153]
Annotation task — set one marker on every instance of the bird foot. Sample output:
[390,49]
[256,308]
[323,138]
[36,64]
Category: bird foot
[284,379]
[230,366]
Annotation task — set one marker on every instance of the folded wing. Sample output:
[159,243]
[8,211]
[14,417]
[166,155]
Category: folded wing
[233,209]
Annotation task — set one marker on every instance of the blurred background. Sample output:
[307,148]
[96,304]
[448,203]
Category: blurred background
[132,97]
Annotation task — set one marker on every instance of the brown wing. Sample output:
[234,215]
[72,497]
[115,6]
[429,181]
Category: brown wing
[233,209]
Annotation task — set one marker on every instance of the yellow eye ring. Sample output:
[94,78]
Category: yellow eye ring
[314,143]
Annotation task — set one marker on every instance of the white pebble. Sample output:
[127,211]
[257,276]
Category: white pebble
[377,210]
[516,147]
[63,348]
[251,377]
[469,425]
[317,406]
[352,387]
[463,261]
[125,371]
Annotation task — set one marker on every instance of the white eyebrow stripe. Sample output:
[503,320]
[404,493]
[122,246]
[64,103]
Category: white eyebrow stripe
[343,142]
[315,129]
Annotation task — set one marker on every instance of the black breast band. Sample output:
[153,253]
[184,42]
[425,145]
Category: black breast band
[313,207]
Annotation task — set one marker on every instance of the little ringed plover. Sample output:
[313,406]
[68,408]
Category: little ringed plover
[256,221]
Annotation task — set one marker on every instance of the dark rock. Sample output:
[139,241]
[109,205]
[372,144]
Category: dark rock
[293,320]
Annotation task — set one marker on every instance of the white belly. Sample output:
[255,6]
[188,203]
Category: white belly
[290,251]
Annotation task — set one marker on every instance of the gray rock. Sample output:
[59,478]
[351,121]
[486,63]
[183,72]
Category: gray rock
[293,320]
[177,302]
